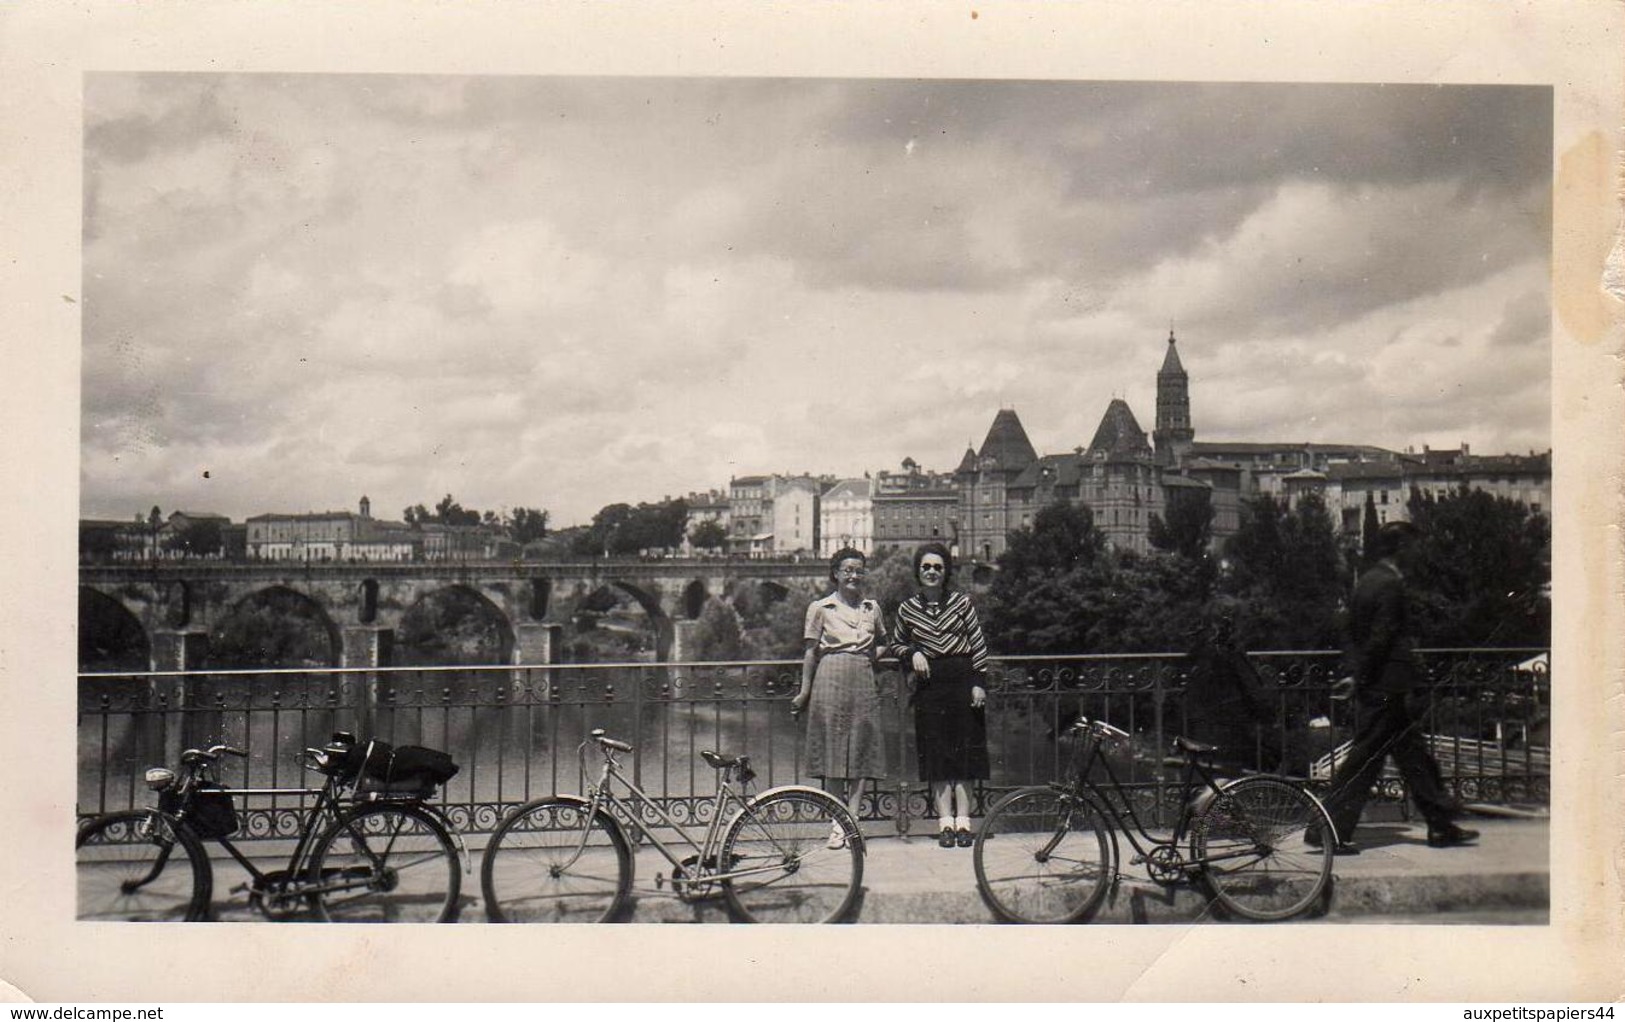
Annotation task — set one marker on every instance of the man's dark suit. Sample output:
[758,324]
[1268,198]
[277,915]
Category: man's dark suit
[1382,659]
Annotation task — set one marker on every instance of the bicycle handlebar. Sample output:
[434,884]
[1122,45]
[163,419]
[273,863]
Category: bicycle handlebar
[1099,728]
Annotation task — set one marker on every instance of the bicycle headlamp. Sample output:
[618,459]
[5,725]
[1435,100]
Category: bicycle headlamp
[159,778]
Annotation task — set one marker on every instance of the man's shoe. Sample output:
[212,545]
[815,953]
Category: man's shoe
[1312,838]
[1450,835]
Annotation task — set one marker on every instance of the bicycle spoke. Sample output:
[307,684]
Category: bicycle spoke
[555,861]
[1250,842]
[784,870]
[1042,856]
[131,867]
[386,863]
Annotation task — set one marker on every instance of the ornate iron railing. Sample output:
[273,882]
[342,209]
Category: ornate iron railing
[516,730]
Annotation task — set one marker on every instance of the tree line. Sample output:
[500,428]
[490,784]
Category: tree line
[1481,578]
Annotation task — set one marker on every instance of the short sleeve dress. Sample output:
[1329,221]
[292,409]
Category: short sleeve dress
[844,737]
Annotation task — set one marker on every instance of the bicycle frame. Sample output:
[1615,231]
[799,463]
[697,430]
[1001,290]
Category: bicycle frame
[1083,786]
[291,881]
[602,796]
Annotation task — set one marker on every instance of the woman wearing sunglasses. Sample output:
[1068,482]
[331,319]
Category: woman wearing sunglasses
[940,639]
[844,632]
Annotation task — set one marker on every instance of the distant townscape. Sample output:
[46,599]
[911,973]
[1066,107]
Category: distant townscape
[1130,481]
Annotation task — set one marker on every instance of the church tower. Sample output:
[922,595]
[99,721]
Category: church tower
[1173,434]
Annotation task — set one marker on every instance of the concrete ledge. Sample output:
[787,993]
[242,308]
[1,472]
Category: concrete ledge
[912,881]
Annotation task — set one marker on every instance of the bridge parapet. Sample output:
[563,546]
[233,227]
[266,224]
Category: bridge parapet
[516,730]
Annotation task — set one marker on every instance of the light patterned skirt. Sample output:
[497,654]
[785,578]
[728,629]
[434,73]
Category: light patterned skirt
[843,720]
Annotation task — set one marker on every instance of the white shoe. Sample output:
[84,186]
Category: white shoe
[837,838]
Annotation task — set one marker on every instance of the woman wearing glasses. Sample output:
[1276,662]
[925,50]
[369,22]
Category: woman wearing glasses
[844,632]
[940,639]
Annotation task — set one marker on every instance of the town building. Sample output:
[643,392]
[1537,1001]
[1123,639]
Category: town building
[794,501]
[337,536]
[1126,479]
[709,506]
[983,480]
[846,517]
[750,529]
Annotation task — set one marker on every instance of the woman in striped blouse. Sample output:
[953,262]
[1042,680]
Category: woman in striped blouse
[940,639]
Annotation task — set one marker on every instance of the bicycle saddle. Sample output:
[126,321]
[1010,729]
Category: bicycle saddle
[1194,748]
[717,761]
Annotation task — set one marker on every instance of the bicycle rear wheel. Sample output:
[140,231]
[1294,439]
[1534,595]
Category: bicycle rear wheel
[802,856]
[1043,856]
[389,862]
[1249,840]
[138,866]
[555,861]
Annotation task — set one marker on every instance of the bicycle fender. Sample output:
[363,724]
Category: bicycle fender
[803,788]
[452,832]
[585,803]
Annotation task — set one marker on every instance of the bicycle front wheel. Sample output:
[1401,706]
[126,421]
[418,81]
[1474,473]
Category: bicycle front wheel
[1043,856]
[389,862]
[1249,842]
[556,861]
[139,866]
[795,857]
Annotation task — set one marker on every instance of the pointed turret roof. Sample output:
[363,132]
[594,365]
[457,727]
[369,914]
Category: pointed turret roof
[1170,361]
[1119,434]
[968,462]
[1007,442]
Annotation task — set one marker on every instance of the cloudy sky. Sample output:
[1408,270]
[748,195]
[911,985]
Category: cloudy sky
[567,292]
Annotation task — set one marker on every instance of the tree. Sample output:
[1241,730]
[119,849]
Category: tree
[449,512]
[417,514]
[1480,570]
[1288,573]
[708,535]
[891,580]
[273,628]
[621,529]
[1368,530]
[1189,526]
[1054,586]
[97,544]
[527,524]
[717,633]
[773,619]
[201,538]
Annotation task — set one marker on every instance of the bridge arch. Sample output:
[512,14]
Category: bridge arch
[111,637]
[694,596]
[454,624]
[276,626]
[665,630]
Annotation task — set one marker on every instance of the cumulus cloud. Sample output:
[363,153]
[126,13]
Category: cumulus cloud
[566,292]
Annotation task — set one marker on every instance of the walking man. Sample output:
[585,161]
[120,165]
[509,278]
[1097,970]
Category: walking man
[1387,680]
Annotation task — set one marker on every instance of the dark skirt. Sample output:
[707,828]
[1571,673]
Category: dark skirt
[950,736]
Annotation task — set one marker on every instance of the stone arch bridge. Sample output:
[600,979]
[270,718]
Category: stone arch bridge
[176,604]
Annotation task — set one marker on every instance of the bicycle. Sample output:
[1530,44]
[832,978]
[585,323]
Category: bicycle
[790,854]
[366,851]
[1047,854]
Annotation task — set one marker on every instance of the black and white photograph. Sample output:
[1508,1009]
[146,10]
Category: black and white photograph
[1057,507]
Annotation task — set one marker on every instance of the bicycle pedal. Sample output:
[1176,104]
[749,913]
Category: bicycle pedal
[1137,860]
